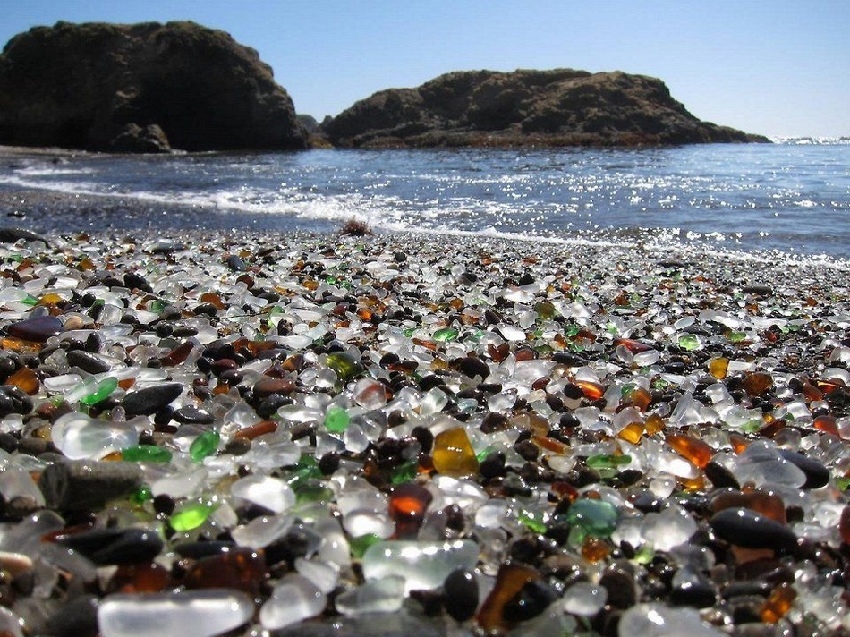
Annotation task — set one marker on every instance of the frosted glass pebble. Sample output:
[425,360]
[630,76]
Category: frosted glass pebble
[585,599]
[61,383]
[201,613]
[492,515]
[334,547]
[512,333]
[466,494]
[293,599]
[10,624]
[80,437]
[272,493]
[324,575]
[424,565]
[379,596]
[262,530]
[655,620]
[361,522]
[16,482]
[669,528]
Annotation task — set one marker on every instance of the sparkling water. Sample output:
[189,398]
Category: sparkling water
[792,195]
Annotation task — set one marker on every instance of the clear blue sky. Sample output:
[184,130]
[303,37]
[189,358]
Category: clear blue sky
[775,67]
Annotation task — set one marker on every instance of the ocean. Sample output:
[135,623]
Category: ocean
[791,196]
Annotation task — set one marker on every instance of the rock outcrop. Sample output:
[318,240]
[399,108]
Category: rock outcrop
[561,107]
[143,87]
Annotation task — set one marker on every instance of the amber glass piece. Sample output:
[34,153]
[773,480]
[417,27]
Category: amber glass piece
[693,484]
[778,603]
[633,346]
[498,352]
[140,578]
[51,298]
[692,449]
[453,454]
[595,549]
[25,380]
[177,355]
[844,525]
[538,425]
[769,505]
[243,569]
[757,383]
[640,398]
[407,506]
[550,444]
[212,298]
[17,345]
[827,424]
[829,386]
[812,393]
[260,429]
[591,391]
[267,386]
[632,433]
[126,383]
[426,344]
[564,490]
[654,423]
[509,581]
[718,367]
[739,443]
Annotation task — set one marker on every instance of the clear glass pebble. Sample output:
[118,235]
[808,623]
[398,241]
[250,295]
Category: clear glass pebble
[201,613]
[424,565]
[293,599]
[585,599]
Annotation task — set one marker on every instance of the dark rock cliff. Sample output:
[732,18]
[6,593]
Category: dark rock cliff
[141,87]
[561,107]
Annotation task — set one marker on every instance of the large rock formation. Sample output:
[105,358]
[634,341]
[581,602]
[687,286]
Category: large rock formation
[562,107]
[141,87]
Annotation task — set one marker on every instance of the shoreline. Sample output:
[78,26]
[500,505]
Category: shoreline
[25,207]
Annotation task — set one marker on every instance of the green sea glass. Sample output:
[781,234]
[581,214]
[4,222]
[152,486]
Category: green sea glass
[190,517]
[446,334]
[589,517]
[344,365]
[204,445]
[145,453]
[337,419]
[103,390]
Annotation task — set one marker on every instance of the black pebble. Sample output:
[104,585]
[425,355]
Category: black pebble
[77,618]
[115,546]
[533,599]
[149,400]
[13,400]
[746,528]
[817,475]
[461,590]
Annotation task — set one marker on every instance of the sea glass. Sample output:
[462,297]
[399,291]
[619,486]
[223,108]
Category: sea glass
[453,454]
[202,613]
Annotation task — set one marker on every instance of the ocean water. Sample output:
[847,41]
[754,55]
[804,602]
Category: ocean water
[791,196]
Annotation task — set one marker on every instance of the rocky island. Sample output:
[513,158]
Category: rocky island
[145,87]
[151,87]
[562,107]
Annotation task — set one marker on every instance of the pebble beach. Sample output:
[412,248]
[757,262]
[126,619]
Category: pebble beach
[242,433]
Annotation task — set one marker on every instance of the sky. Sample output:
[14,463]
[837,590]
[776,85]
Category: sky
[775,67]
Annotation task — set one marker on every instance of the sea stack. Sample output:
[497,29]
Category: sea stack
[561,107]
[145,87]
